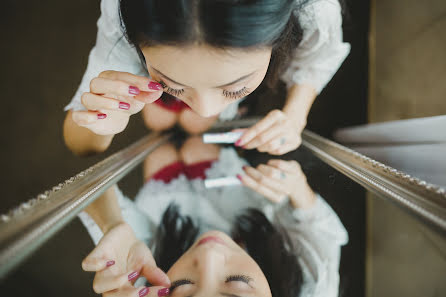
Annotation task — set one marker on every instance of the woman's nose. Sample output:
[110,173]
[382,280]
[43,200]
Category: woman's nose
[209,263]
[207,106]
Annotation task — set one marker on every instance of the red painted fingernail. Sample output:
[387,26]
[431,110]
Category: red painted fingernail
[155,86]
[133,90]
[133,275]
[239,177]
[124,105]
[163,292]
[143,292]
[238,142]
[110,263]
[101,116]
[244,167]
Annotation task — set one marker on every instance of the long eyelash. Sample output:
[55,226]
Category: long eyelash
[178,283]
[235,95]
[174,92]
[242,278]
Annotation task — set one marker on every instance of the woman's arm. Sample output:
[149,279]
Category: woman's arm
[82,141]
[300,98]
[105,210]
[314,228]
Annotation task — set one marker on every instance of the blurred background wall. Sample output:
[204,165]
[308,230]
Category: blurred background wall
[407,80]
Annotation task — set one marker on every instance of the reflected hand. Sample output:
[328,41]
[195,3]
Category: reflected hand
[275,134]
[278,180]
[114,96]
[118,260]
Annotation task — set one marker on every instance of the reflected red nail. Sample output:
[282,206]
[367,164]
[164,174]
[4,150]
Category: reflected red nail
[239,177]
[143,292]
[124,105]
[133,275]
[110,263]
[163,292]
[101,116]
[238,142]
[133,90]
[155,86]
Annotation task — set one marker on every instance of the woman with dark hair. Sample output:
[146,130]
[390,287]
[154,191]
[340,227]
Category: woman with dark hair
[207,56]
[227,241]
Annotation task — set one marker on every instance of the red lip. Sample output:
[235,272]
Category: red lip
[211,239]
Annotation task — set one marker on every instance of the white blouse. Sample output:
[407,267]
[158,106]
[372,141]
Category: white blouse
[317,58]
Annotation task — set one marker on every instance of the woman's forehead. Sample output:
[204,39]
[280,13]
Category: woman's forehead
[205,65]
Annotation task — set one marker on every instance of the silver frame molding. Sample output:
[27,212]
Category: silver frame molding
[421,199]
[27,227]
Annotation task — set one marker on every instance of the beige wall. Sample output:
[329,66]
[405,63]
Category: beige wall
[408,80]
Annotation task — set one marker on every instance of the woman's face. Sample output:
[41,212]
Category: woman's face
[216,266]
[205,78]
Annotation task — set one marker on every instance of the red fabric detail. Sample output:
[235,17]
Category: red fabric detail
[169,172]
[197,170]
[171,103]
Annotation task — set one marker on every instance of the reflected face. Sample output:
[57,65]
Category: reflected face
[216,266]
[205,78]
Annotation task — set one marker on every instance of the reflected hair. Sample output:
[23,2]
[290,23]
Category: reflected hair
[269,245]
[222,24]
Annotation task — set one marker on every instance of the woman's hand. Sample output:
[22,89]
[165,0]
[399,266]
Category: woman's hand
[278,180]
[276,134]
[118,260]
[114,96]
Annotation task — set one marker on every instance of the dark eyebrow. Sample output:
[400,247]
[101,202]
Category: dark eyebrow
[222,86]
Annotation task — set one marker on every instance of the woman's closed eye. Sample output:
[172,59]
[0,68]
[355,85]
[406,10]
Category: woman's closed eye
[236,95]
[174,92]
[179,283]
[231,95]
[230,278]
[238,278]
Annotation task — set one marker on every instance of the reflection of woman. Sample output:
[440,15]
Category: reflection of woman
[208,55]
[215,242]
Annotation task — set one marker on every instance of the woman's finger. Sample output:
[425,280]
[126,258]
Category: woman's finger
[143,83]
[95,102]
[148,97]
[102,85]
[262,125]
[128,291]
[272,172]
[140,258]
[155,275]
[96,264]
[263,176]
[274,144]
[148,90]
[283,150]
[138,292]
[265,137]
[84,118]
[262,190]
[104,282]
[291,166]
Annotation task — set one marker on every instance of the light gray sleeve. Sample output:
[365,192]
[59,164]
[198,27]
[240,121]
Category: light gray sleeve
[322,50]
[111,52]
[317,234]
[142,226]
